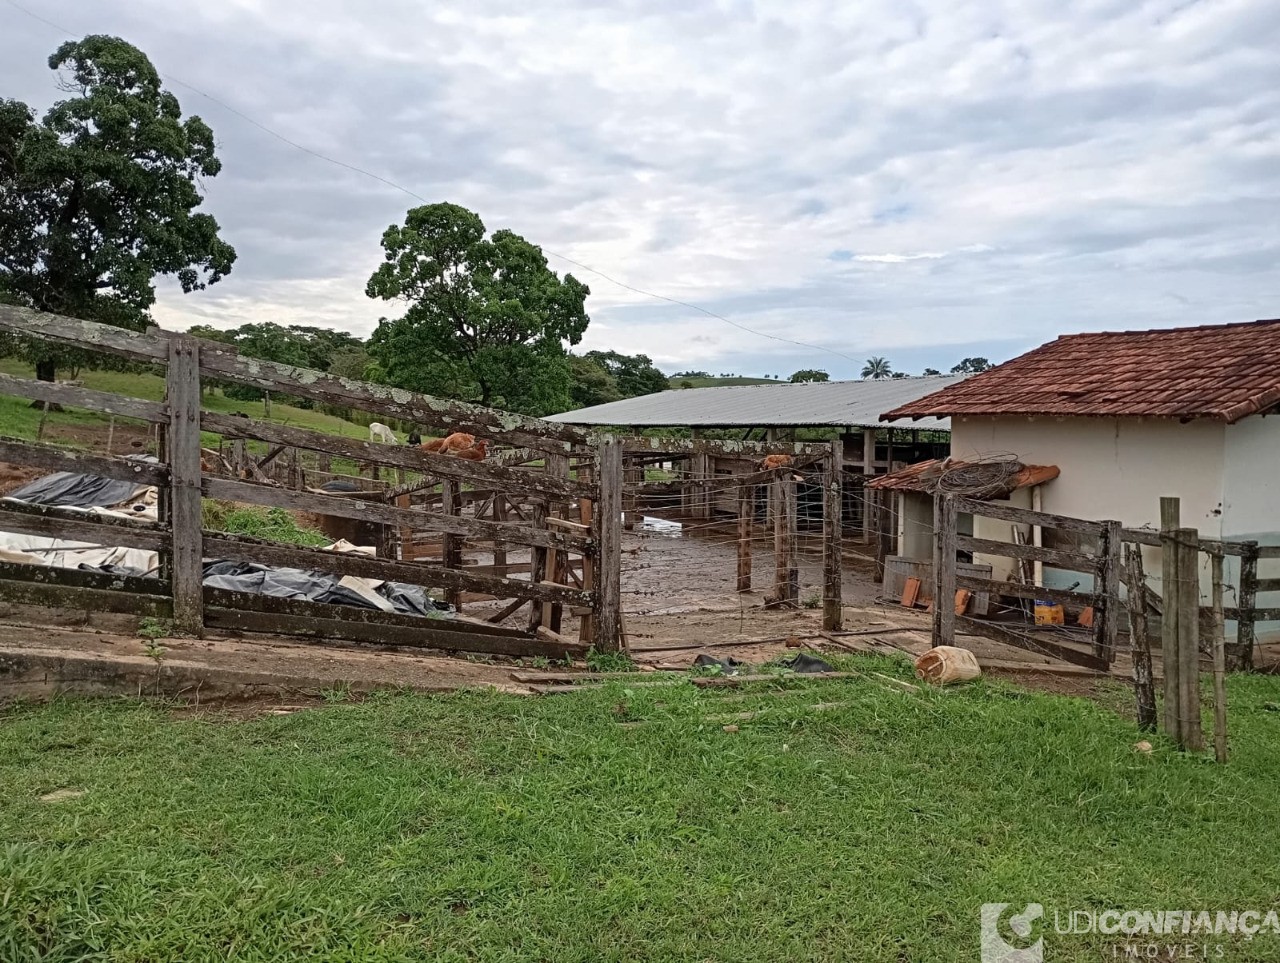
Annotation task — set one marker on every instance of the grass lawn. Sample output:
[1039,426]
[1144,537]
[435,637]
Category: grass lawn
[478,826]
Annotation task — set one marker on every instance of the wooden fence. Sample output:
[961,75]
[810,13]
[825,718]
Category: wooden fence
[723,482]
[564,488]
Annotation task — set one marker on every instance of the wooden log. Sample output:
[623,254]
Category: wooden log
[496,477]
[1219,663]
[74,396]
[16,452]
[608,528]
[1068,561]
[1170,639]
[221,545]
[1188,601]
[182,390]
[76,526]
[1107,582]
[945,581]
[1025,516]
[832,550]
[1248,614]
[746,510]
[410,518]
[1140,639]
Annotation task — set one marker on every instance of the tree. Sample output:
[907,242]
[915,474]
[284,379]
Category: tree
[971,366]
[897,375]
[592,382]
[876,368]
[809,374]
[486,321]
[100,196]
[930,371]
[634,373]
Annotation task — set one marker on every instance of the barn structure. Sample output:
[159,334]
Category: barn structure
[847,411]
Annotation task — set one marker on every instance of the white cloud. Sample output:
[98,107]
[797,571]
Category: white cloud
[1003,172]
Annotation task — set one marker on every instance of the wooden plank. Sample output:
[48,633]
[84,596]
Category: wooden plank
[17,452]
[910,593]
[586,512]
[1219,661]
[372,511]
[244,616]
[442,466]
[1018,590]
[1233,614]
[1038,644]
[945,581]
[423,410]
[450,545]
[1068,561]
[1108,582]
[53,522]
[1140,639]
[1169,637]
[1265,551]
[961,601]
[679,486]
[1026,516]
[221,545]
[1188,600]
[89,335]
[77,397]
[182,390]
[832,549]
[82,578]
[65,596]
[1144,536]
[1267,585]
[608,526]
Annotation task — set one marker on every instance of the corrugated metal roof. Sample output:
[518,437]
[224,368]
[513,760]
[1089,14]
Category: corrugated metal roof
[1224,371]
[825,403]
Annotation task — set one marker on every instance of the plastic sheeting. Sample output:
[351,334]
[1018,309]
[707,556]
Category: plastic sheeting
[72,490]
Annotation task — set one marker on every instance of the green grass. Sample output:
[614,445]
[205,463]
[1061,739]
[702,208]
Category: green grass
[480,826]
[19,420]
[272,524]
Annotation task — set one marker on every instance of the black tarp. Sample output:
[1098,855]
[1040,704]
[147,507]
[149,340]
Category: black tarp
[74,490]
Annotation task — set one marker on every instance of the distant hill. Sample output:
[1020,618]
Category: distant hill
[721,382]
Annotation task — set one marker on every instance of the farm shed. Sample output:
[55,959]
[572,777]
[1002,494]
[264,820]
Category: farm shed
[1129,417]
[775,412]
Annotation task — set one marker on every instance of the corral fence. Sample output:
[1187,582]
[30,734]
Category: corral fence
[546,504]
[722,491]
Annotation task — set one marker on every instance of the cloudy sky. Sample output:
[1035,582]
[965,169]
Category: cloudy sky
[920,180]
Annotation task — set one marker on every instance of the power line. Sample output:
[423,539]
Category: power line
[399,187]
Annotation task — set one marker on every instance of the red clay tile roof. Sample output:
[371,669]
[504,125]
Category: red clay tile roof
[923,475]
[1225,372]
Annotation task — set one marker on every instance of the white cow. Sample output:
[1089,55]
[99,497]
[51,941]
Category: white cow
[380,432]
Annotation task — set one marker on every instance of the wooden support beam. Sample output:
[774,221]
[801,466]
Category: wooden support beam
[945,581]
[182,395]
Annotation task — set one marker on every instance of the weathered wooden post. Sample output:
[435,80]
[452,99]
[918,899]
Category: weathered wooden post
[556,466]
[608,527]
[1107,587]
[1219,662]
[746,509]
[1246,631]
[832,528]
[1143,679]
[783,537]
[1169,638]
[944,570]
[499,548]
[451,545]
[586,510]
[182,447]
[1188,597]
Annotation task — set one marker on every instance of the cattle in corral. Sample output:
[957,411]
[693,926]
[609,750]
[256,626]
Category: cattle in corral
[381,433]
[775,461]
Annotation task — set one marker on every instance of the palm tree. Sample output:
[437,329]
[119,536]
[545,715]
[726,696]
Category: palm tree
[876,368]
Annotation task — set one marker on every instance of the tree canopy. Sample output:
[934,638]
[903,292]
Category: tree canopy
[971,366]
[100,195]
[877,368]
[603,376]
[809,374]
[486,319]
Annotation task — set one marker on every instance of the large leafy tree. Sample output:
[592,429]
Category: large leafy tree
[99,196]
[634,373]
[971,366]
[486,319]
[809,374]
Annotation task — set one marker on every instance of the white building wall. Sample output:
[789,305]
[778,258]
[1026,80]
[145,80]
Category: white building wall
[1251,502]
